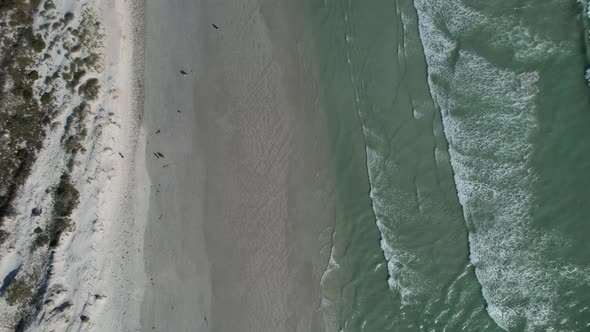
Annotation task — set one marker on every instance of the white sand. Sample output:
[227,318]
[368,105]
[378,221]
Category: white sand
[234,218]
[104,254]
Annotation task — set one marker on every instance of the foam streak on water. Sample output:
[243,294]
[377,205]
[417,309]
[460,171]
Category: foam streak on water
[490,117]
[418,220]
[404,280]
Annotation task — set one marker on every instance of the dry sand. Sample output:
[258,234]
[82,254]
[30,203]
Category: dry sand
[238,200]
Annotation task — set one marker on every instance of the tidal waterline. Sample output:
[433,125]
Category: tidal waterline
[508,79]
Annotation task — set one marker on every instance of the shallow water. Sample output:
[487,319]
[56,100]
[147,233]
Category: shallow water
[459,143]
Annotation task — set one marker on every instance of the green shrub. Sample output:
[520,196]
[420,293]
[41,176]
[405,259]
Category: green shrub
[24,91]
[65,197]
[27,93]
[76,77]
[73,144]
[7,5]
[68,17]
[90,89]
[23,61]
[46,98]
[41,240]
[48,5]
[91,60]
[21,17]
[18,292]
[33,75]
[38,44]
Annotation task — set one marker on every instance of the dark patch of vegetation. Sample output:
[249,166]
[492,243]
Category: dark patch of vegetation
[76,77]
[7,5]
[20,116]
[38,44]
[24,90]
[65,200]
[73,144]
[23,62]
[68,17]
[27,93]
[90,89]
[18,292]
[91,60]
[41,240]
[21,17]
[33,75]
[48,5]
[75,119]
[65,197]
[25,158]
[90,31]
[75,131]
[46,98]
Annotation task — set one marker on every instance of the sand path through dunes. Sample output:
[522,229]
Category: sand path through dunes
[239,197]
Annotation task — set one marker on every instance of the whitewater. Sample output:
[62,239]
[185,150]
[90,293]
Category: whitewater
[488,93]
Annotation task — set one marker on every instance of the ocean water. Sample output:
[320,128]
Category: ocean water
[460,143]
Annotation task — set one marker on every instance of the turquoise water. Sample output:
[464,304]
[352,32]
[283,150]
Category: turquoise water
[459,137]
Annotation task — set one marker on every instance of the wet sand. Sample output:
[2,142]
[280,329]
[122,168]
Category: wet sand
[239,198]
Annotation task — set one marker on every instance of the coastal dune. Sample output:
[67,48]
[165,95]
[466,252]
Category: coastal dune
[235,156]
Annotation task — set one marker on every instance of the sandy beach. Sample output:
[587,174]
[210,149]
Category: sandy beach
[192,174]
[237,199]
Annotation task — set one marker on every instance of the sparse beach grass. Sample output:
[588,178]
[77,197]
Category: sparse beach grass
[50,62]
[24,110]
[21,117]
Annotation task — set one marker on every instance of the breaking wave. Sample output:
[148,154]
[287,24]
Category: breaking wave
[488,96]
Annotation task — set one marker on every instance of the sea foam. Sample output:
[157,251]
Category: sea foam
[416,217]
[489,118]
